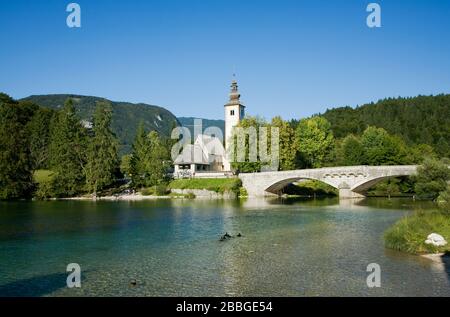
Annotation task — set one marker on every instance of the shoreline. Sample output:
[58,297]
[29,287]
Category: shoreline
[128,197]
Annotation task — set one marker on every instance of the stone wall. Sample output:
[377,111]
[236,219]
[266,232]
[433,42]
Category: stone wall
[203,193]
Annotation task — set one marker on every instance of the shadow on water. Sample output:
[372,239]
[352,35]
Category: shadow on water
[35,286]
[446,261]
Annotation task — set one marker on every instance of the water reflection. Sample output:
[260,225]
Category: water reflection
[289,247]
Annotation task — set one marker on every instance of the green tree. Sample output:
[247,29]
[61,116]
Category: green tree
[431,178]
[314,141]
[158,160]
[39,135]
[102,158]
[139,157]
[150,159]
[16,177]
[352,151]
[249,164]
[125,165]
[68,153]
[419,153]
[380,148]
[288,153]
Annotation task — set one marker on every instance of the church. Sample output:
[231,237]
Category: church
[207,156]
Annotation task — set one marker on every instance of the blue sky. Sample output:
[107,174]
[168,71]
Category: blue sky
[292,58]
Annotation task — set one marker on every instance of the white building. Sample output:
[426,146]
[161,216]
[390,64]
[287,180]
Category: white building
[207,155]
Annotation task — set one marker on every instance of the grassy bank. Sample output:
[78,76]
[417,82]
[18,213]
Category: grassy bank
[409,234]
[42,176]
[218,185]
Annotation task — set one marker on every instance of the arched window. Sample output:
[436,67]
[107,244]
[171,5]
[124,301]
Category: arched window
[232,113]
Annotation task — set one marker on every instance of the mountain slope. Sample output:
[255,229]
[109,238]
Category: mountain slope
[126,116]
[421,119]
[188,122]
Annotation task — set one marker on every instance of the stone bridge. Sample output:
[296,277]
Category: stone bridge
[352,181]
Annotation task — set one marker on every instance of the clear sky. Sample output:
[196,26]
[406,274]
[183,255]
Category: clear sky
[292,58]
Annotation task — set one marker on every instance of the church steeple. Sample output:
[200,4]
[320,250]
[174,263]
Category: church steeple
[234,113]
[234,94]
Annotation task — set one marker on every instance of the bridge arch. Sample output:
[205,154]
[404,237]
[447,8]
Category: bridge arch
[351,181]
[277,187]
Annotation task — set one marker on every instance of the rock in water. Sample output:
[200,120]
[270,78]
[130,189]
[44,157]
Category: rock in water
[436,239]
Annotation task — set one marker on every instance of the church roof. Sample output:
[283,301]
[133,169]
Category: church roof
[205,150]
[191,154]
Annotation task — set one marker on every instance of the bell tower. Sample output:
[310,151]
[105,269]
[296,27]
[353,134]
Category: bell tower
[234,113]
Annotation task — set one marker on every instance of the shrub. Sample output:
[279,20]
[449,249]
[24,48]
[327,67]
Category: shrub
[147,191]
[218,185]
[242,192]
[160,190]
[431,178]
[45,190]
[190,196]
[409,234]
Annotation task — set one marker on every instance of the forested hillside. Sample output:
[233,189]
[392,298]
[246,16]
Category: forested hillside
[418,120]
[125,118]
[188,122]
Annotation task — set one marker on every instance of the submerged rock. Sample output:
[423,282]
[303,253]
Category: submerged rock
[436,239]
[133,282]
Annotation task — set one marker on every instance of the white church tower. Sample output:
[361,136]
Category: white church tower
[234,113]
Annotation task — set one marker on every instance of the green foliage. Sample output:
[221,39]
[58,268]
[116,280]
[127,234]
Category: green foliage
[68,151]
[380,148]
[218,185]
[125,116]
[375,147]
[287,155]
[310,188]
[125,165]
[40,176]
[157,190]
[45,180]
[418,153]
[242,192]
[150,159]
[444,200]
[102,157]
[352,151]
[190,196]
[387,188]
[409,234]
[16,177]
[417,120]
[431,178]
[39,136]
[314,141]
[248,165]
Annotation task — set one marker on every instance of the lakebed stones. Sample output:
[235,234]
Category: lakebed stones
[228,236]
[436,239]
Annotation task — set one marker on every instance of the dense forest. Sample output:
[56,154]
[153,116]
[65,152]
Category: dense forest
[417,120]
[48,151]
[125,116]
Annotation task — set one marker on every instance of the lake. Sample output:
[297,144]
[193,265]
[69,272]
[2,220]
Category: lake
[172,248]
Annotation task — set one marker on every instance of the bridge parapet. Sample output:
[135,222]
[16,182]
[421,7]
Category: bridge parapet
[351,181]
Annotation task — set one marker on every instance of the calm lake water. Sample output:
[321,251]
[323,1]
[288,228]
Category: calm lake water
[172,248]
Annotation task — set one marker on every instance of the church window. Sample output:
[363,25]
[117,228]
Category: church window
[232,113]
